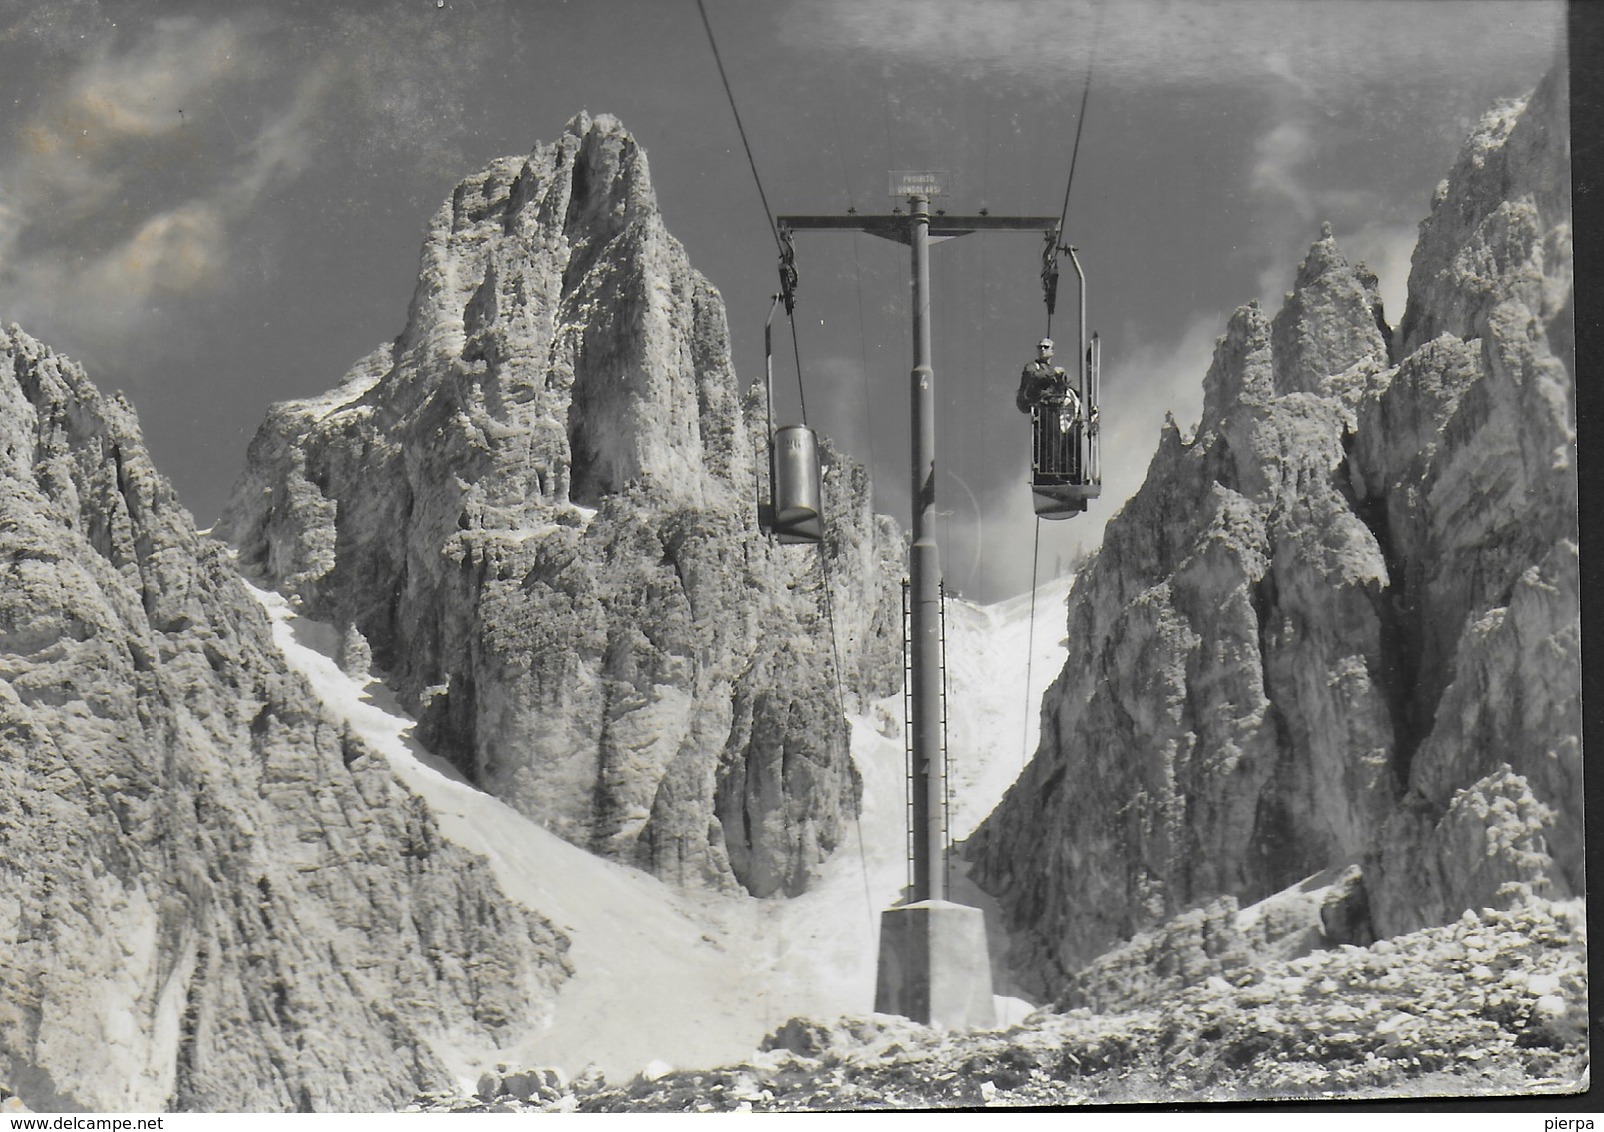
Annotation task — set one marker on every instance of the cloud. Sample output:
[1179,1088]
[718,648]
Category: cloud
[989,539]
[283,146]
[1155,381]
[1387,250]
[1337,46]
[97,218]
[84,141]
[1278,156]
[1296,186]
[133,95]
[135,171]
[176,250]
[1289,201]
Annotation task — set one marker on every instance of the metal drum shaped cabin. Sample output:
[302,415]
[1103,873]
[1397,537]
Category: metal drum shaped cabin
[795,513]
[794,510]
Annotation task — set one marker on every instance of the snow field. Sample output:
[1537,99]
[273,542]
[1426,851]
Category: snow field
[696,979]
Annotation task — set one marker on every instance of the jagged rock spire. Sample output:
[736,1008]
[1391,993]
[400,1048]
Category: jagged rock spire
[1340,625]
[1242,371]
[538,508]
[214,896]
[1331,321]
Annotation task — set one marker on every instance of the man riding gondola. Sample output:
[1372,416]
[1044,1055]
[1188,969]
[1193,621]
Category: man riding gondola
[1046,386]
[1045,392]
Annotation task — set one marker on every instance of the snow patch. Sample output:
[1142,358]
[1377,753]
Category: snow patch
[696,979]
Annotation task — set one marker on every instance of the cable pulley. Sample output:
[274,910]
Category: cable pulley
[1049,273]
[788,275]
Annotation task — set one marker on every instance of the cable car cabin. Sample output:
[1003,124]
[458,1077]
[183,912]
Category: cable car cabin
[1065,457]
[1058,464]
[795,513]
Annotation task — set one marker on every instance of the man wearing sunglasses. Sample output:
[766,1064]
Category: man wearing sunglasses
[1044,385]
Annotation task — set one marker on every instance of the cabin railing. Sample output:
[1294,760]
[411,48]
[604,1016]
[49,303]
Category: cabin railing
[1055,453]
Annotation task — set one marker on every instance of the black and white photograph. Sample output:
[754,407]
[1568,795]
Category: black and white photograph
[813,556]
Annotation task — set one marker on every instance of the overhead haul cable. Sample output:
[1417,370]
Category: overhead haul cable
[1050,282]
[768,213]
[1069,183]
[728,93]
[788,285]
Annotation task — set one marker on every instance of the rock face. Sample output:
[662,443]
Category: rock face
[1219,941]
[1340,624]
[210,897]
[537,507]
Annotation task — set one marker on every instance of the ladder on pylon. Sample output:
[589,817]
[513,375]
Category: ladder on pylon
[910,833]
[946,767]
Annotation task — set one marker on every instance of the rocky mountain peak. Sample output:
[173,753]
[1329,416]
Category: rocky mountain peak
[214,896]
[1242,371]
[508,266]
[1331,322]
[610,184]
[1329,337]
[1499,227]
[538,508]
[1338,627]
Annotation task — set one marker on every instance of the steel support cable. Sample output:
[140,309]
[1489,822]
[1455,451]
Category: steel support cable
[1069,184]
[829,615]
[1074,152]
[1063,217]
[796,354]
[768,213]
[1030,646]
[835,648]
[730,94]
[796,350]
[1080,125]
[863,358]
[841,707]
[829,604]
[857,283]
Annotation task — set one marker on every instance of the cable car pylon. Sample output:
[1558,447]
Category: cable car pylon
[933,965]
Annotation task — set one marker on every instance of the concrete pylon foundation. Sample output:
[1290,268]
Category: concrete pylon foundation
[934,967]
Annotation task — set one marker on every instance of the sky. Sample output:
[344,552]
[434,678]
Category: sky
[214,206]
